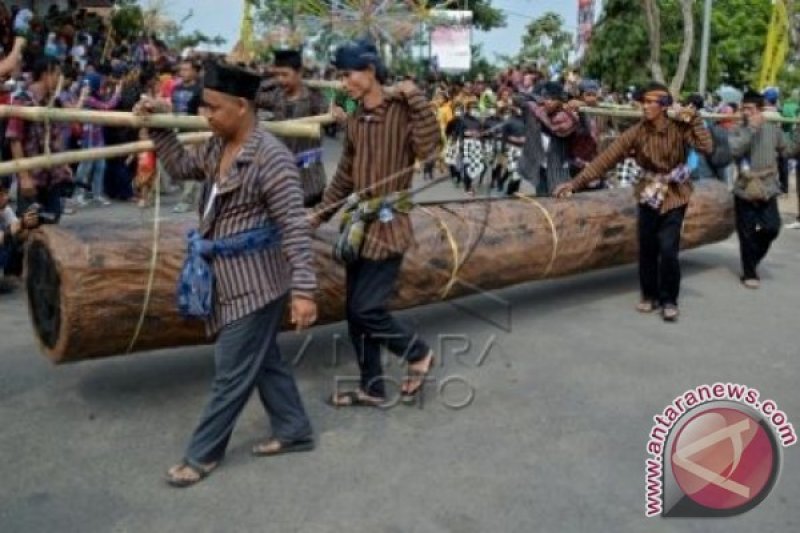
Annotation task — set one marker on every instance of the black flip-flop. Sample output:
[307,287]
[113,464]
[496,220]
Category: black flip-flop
[180,483]
[304,445]
[353,399]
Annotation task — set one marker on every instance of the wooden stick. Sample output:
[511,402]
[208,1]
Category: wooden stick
[631,112]
[327,118]
[288,128]
[323,84]
[77,156]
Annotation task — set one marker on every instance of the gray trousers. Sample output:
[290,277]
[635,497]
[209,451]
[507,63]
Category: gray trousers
[246,356]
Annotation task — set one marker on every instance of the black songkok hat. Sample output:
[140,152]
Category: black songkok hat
[753,97]
[553,90]
[360,55]
[231,80]
[288,59]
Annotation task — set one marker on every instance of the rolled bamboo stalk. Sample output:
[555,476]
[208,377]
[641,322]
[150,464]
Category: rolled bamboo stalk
[29,164]
[631,112]
[86,284]
[323,84]
[287,128]
[322,120]
[608,110]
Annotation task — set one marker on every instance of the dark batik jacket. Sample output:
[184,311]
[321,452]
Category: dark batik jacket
[310,102]
[261,188]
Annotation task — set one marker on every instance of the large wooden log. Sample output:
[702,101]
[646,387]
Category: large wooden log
[86,284]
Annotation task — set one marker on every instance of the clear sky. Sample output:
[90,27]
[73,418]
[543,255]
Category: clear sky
[222,17]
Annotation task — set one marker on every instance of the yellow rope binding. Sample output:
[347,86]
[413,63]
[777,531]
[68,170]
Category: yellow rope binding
[553,231]
[453,247]
[153,261]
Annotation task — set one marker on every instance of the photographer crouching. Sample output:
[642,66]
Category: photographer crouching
[13,231]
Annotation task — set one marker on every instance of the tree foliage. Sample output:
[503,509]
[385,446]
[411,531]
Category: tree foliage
[620,51]
[484,16]
[545,40]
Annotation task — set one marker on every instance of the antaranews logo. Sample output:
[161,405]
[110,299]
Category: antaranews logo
[714,451]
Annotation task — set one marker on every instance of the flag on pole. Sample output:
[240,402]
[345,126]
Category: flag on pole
[777,45]
[585,25]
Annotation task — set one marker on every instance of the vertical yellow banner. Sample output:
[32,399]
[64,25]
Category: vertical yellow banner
[777,45]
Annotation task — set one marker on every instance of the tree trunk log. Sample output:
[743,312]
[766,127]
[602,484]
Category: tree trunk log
[86,285]
[686,49]
[652,16]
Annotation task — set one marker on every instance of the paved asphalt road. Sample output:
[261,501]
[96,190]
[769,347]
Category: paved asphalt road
[565,388]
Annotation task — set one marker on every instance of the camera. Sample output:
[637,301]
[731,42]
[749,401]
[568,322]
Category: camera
[44,217]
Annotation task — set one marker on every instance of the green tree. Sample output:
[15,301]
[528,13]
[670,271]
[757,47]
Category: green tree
[546,40]
[481,65]
[619,51]
[484,16]
[128,20]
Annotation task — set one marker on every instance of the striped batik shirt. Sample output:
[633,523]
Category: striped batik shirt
[309,102]
[656,148]
[380,148]
[261,187]
[761,146]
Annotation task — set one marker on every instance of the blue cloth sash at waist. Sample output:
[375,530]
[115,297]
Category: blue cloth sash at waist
[196,282]
[308,158]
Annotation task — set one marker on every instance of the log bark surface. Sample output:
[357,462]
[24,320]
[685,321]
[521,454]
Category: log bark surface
[86,284]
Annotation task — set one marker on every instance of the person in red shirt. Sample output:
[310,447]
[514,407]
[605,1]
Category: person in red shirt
[145,173]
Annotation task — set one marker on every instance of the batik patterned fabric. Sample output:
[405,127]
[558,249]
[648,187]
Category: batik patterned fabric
[473,158]
[452,154]
[657,185]
[513,155]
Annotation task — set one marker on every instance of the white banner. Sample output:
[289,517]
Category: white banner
[451,48]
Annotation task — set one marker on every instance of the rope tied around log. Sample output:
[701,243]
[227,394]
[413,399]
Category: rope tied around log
[153,263]
[553,230]
[457,263]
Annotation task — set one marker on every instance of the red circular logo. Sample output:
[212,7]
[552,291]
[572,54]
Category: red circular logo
[723,459]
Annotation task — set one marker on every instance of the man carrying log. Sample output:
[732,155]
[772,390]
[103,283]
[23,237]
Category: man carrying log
[756,146]
[548,126]
[662,186]
[256,237]
[390,129]
[287,98]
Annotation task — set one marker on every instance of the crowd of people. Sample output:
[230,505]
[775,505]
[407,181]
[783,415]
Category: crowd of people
[260,197]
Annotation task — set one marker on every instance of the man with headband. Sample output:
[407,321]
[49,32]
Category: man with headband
[386,134]
[287,98]
[662,187]
[251,253]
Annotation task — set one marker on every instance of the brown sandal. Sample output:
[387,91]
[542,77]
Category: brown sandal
[200,473]
[646,306]
[670,313]
[418,375]
[301,445]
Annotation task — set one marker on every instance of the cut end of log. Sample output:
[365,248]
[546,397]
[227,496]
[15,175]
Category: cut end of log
[43,284]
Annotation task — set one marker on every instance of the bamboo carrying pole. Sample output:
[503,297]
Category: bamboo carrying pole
[323,84]
[29,164]
[288,128]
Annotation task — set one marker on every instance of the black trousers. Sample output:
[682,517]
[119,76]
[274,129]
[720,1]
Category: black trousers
[783,173]
[659,243]
[757,224]
[370,284]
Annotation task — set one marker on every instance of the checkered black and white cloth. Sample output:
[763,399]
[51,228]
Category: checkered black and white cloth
[474,164]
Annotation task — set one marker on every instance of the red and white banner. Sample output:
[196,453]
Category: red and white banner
[585,24]
[451,48]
